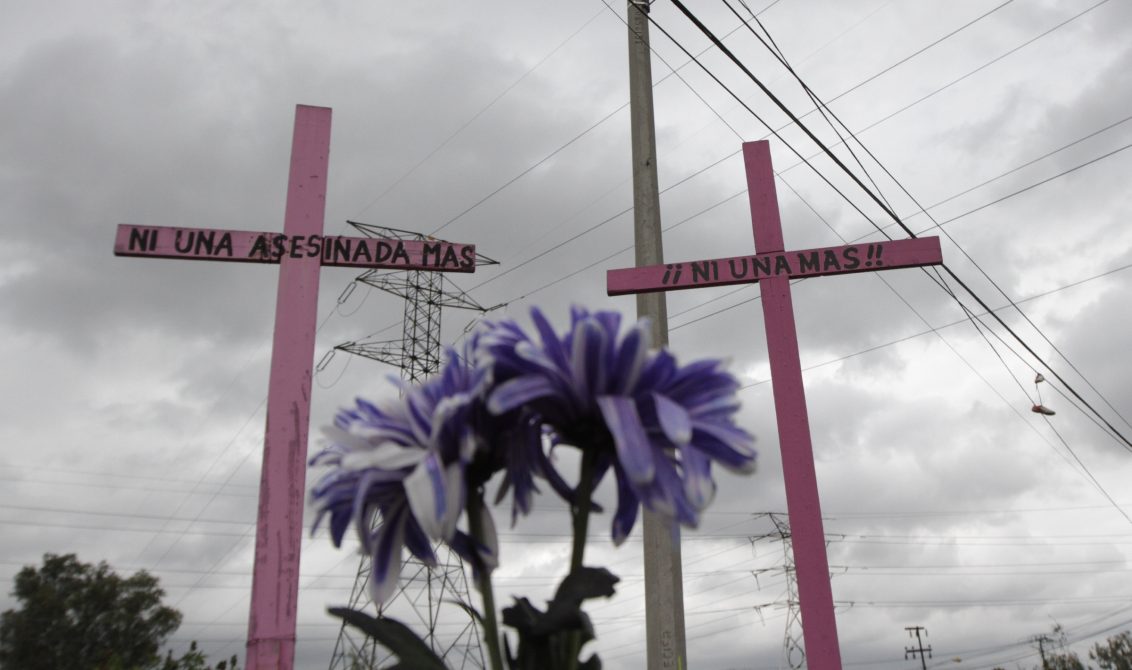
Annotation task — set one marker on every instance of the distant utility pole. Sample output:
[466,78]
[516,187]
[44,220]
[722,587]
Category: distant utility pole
[664,581]
[1042,641]
[911,652]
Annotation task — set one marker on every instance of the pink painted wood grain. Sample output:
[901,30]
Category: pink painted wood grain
[815,595]
[844,259]
[279,530]
[246,246]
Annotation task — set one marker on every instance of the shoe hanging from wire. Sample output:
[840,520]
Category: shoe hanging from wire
[1038,407]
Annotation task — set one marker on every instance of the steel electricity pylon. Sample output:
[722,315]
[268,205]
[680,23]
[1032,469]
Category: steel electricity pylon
[793,649]
[426,596]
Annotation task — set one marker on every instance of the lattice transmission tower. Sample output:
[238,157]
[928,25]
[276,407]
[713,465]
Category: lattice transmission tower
[793,652]
[426,596]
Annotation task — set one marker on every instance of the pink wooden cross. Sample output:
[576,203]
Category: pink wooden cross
[300,250]
[773,267]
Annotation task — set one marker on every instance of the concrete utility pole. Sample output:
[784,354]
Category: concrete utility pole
[664,585]
[913,651]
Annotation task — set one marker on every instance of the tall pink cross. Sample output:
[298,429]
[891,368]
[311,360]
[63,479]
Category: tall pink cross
[773,267]
[300,250]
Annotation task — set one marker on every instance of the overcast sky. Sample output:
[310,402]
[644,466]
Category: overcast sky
[134,389]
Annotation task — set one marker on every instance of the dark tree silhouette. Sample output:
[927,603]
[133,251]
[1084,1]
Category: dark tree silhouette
[77,615]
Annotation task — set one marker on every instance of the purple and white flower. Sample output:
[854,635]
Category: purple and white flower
[402,471]
[659,425]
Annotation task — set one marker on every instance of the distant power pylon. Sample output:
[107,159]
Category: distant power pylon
[793,651]
[426,596]
[911,652]
[1042,641]
[417,351]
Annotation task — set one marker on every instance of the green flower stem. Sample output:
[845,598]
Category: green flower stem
[490,624]
[581,509]
[583,495]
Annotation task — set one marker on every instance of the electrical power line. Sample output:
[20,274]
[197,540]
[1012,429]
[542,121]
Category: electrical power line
[883,204]
[823,107]
[797,122]
[472,119]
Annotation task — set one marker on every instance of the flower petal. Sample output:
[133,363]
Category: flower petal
[339,523]
[361,509]
[585,359]
[385,457]
[673,419]
[388,541]
[719,406]
[515,392]
[633,448]
[454,489]
[532,360]
[658,371]
[698,484]
[420,415]
[369,409]
[419,544]
[696,374]
[550,342]
[426,491]
[627,505]
[610,321]
[669,497]
[630,360]
[480,556]
[344,438]
[731,446]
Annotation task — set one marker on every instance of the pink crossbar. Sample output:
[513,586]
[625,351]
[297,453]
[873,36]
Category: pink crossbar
[255,247]
[843,259]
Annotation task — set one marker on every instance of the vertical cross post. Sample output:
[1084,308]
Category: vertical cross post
[815,596]
[275,576]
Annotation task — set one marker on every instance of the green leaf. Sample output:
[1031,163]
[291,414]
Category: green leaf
[472,612]
[548,639]
[522,616]
[564,612]
[395,636]
[585,583]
